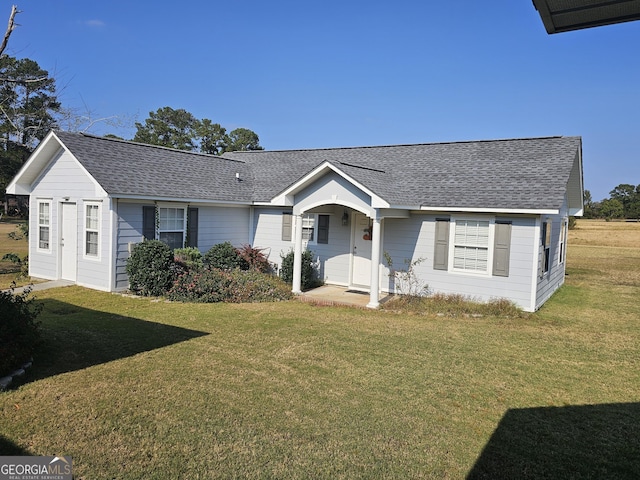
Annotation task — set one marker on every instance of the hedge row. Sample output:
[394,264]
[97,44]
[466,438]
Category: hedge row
[223,274]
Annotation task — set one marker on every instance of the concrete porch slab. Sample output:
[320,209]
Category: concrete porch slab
[336,295]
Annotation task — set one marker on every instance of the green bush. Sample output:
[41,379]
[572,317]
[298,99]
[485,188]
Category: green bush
[309,275]
[224,256]
[190,257]
[234,286]
[19,330]
[208,286]
[151,268]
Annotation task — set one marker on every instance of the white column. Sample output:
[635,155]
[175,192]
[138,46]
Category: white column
[297,255]
[374,292]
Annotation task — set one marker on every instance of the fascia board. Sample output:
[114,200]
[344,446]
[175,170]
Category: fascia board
[31,163]
[525,211]
[147,198]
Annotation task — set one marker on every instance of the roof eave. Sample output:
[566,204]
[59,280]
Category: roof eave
[493,210]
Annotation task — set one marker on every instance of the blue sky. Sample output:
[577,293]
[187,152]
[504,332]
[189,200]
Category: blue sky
[311,74]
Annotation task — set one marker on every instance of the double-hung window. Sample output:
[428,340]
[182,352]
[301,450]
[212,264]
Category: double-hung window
[44,225]
[92,230]
[471,245]
[171,226]
[563,241]
[308,227]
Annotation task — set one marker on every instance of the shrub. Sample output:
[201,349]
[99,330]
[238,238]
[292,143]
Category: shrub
[224,256]
[255,259]
[190,257]
[151,268]
[252,286]
[208,286]
[235,286]
[407,282]
[21,263]
[19,330]
[309,275]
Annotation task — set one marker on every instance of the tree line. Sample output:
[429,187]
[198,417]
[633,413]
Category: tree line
[623,202]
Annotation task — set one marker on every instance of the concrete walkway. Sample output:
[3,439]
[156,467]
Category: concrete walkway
[335,295]
[36,287]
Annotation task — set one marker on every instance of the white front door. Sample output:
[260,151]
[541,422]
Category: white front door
[361,267]
[69,241]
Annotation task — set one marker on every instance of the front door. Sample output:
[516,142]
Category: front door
[361,267]
[69,241]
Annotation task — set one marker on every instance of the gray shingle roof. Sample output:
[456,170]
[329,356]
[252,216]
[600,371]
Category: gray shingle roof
[514,174]
[132,169]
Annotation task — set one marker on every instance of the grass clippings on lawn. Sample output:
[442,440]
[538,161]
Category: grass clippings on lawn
[132,388]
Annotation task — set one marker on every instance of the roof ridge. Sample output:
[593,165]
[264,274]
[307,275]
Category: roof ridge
[455,142]
[149,145]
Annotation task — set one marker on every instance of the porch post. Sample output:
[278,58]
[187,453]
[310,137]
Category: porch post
[374,292]
[297,255]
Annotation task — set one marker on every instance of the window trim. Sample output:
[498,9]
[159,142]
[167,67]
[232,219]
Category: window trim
[40,225]
[562,245]
[314,228]
[546,231]
[489,247]
[160,230]
[87,230]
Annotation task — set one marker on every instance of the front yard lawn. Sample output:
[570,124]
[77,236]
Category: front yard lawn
[136,388]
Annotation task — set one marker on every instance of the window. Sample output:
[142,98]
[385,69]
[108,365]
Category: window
[546,246]
[171,226]
[471,245]
[323,229]
[308,227]
[44,222]
[563,241]
[315,228]
[92,230]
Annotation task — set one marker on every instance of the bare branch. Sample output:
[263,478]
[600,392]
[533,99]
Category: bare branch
[10,28]
[23,80]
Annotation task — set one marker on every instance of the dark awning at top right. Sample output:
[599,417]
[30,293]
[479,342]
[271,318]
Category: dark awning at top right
[566,15]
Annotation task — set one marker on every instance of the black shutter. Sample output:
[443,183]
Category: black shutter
[502,249]
[149,222]
[441,248]
[192,226]
[287,223]
[323,228]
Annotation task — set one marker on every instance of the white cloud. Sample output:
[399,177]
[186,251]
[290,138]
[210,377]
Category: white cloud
[94,23]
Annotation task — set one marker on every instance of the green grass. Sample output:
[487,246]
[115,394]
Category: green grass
[135,388]
[9,271]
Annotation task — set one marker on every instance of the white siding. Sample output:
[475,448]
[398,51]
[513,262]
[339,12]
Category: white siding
[216,224]
[332,189]
[65,180]
[333,257]
[413,239]
[554,278]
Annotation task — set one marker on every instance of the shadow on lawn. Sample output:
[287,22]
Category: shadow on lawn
[7,447]
[75,338]
[590,441]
